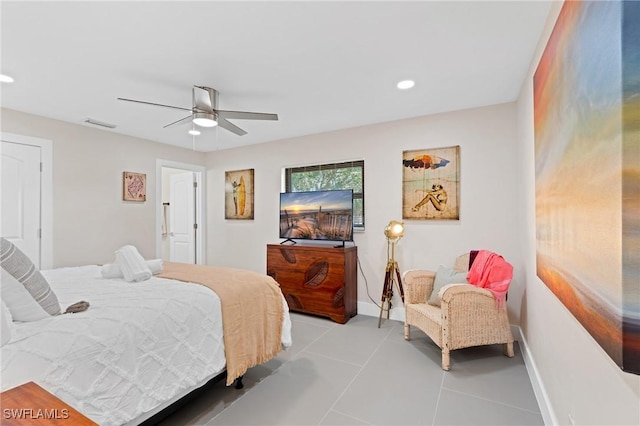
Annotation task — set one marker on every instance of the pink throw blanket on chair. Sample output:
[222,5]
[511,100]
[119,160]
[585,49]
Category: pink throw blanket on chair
[491,271]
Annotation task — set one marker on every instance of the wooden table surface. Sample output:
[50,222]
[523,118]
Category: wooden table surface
[30,404]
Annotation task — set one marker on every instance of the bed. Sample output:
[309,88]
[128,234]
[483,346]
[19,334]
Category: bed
[139,347]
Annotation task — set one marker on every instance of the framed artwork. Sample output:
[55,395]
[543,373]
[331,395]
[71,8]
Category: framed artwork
[587,172]
[238,194]
[431,184]
[134,186]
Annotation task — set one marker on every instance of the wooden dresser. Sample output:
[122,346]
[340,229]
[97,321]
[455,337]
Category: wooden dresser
[317,280]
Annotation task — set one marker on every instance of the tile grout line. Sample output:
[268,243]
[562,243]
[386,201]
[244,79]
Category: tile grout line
[328,329]
[387,338]
[274,371]
[490,400]
[435,411]
[346,415]
[356,376]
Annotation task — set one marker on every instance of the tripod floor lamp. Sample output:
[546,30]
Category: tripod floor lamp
[394,231]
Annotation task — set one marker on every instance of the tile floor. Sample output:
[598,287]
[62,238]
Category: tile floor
[359,374]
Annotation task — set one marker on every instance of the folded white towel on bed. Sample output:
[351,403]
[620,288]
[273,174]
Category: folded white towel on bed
[133,266]
[155,265]
[112,270]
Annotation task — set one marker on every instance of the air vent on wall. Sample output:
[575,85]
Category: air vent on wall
[100,123]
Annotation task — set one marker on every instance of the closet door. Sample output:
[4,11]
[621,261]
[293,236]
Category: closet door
[181,218]
[20,192]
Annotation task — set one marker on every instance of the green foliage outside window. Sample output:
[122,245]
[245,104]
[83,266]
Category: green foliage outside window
[349,175]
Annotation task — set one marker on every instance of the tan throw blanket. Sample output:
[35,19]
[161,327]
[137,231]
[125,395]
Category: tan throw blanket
[252,312]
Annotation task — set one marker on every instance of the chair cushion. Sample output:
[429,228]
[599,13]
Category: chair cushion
[443,277]
[429,311]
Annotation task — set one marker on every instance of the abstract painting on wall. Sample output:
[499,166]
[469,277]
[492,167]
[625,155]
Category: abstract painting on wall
[431,183]
[587,171]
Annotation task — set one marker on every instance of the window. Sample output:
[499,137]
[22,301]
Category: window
[347,175]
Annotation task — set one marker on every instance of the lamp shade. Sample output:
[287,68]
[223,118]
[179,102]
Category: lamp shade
[394,230]
[204,119]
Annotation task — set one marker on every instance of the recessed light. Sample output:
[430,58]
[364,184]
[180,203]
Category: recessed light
[406,84]
[5,79]
[194,132]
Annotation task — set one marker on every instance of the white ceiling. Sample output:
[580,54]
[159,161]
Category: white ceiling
[319,65]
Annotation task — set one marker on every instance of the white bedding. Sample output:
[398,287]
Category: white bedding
[138,346]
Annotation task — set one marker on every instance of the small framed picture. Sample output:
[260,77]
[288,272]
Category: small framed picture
[134,186]
[238,194]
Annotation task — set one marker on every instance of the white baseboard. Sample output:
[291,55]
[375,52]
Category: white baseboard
[371,310]
[548,415]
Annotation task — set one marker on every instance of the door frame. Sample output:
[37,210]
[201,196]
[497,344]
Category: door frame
[46,192]
[200,177]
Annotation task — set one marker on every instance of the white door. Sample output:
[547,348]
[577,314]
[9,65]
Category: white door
[181,218]
[20,194]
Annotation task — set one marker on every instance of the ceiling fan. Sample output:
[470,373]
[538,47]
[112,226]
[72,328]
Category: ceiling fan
[205,112]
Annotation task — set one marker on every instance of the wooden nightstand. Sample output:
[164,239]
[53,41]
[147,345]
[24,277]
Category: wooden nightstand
[29,404]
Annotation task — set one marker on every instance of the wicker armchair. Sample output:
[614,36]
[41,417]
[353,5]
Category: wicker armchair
[468,315]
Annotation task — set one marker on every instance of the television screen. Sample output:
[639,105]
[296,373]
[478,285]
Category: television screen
[317,215]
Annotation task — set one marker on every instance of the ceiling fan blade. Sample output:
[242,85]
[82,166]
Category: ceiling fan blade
[230,127]
[204,99]
[152,103]
[181,121]
[247,115]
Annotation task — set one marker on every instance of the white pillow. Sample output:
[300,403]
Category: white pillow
[18,264]
[7,324]
[21,304]
[445,276]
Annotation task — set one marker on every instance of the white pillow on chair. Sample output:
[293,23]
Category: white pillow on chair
[445,276]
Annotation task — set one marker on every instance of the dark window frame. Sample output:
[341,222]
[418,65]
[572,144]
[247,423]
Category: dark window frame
[331,166]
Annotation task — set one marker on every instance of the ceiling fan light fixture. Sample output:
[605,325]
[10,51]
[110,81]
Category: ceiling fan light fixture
[204,119]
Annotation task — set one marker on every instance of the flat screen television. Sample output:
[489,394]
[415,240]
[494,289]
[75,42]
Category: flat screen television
[317,215]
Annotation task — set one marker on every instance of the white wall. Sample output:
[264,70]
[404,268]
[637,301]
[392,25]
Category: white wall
[487,139]
[90,220]
[576,377]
